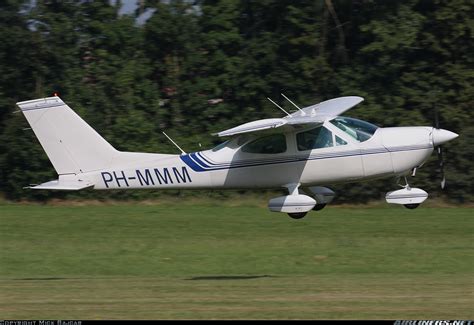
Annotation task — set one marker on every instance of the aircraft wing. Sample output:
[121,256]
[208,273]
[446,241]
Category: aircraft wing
[332,107]
[314,114]
[254,126]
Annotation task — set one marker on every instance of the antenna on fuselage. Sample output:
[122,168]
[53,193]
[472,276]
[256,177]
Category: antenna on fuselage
[174,143]
[279,106]
[302,112]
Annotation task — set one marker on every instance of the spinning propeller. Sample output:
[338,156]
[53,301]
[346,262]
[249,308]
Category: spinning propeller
[440,153]
[441,136]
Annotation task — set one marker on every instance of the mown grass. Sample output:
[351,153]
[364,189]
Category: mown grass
[218,262]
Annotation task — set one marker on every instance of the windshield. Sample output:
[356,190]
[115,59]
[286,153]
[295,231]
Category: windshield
[357,129]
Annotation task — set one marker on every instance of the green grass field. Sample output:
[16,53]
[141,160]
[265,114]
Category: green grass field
[204,261]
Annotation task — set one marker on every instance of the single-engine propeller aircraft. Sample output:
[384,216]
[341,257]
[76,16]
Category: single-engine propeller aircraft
[301,152]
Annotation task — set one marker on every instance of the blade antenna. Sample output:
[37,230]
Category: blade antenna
[279,106]
[302,112]
[176,145]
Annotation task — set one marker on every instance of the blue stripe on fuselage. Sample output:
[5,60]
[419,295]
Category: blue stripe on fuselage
[188,161]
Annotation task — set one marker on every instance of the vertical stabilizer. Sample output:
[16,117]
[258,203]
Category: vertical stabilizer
[71,144]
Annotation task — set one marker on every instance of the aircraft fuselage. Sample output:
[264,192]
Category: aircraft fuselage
[389,152]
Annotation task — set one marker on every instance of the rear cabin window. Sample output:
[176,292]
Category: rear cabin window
[270,144]
[316,138]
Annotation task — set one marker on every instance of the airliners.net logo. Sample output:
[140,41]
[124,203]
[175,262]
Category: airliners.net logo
[434,322]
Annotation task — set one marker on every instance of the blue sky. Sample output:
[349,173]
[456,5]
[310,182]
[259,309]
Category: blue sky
[128,6]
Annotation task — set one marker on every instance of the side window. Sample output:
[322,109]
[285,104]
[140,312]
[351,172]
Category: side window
[275,143]
[316,138]
[340,142]
[242,139]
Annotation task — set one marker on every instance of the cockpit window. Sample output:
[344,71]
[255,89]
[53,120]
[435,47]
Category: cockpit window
[274,143]
[357,129]
[316,138]
[340,142]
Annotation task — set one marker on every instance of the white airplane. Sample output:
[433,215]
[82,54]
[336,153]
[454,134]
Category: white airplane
[300,152]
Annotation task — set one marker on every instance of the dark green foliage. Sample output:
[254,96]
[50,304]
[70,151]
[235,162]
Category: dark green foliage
[195,68]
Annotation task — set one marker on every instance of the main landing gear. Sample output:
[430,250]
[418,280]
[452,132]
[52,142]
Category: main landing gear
[319,206]
[300,215]
[297,205]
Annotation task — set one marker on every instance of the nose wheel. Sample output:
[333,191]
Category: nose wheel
[298,215]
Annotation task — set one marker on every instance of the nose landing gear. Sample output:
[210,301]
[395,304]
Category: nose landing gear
[409,197]
[411,206]
[297,215]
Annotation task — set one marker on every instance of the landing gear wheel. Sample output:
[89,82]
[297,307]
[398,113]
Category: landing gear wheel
[411,206]
[318,207]
[297,215]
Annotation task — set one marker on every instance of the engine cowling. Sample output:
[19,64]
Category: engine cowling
[292,203]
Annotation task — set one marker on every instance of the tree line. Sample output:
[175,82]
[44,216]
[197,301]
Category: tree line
[198,67]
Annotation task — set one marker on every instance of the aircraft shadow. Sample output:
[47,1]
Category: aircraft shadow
[41,279]
[229,277]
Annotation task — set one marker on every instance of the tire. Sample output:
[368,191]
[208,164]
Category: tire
[320,206]
[297,215]
[411,206]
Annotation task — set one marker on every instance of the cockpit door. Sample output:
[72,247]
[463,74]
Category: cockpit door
[330,156]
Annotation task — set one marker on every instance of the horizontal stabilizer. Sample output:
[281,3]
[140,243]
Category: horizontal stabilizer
[62,185]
